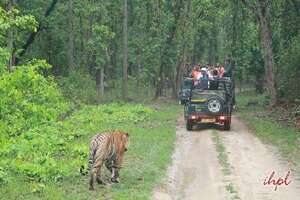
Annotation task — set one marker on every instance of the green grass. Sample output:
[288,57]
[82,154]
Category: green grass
[222,155]
[151,144]
[264,125]
[224,163]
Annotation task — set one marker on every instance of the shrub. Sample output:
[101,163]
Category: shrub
[79,87]
[289,72]
[28,99]
[40,154]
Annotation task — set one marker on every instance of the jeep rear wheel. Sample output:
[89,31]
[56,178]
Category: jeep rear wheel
[189,126]
[226,126]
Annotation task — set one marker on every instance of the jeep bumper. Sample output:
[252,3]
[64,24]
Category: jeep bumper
[197,118]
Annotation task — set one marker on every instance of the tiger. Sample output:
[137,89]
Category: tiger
[107,148]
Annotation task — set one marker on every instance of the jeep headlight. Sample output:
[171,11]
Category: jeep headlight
[214,105]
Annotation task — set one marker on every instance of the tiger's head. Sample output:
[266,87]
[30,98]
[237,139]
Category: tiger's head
[125,139]
[121,140]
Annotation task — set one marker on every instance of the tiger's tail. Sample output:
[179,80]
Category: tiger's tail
[84,170]
[91,158]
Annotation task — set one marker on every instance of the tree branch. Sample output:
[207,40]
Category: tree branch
[296,5]
[253,8]
[32,36]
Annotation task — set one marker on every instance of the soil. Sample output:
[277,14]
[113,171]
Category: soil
[196,172]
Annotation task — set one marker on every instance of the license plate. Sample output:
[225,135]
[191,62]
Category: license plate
[208,120]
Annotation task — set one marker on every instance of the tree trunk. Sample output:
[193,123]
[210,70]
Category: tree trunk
[259,85]
[260,10]
[71,36]
[160,81]
[125,54]
[82,47]
[100,81]
[234,29]
[88,60]
[266,39]
[182,60]
[10,39]
[296,5]
[177,78]
[173,86]
[164,51]
[32,36]
[179,69]
[211,51]
[139,69]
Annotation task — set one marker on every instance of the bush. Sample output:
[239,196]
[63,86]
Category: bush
[289,72]
[79,87]
[28,99]
[3,176]
[40,154]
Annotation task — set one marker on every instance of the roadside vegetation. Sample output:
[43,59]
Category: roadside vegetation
[274,126]
[69,69]
[43,161]
[45,135]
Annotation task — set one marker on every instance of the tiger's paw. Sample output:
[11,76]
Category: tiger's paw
[115,180]
[101,182]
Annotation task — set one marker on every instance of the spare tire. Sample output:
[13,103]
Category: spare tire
[215,105]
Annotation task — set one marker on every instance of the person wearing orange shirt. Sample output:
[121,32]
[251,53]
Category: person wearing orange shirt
[196,74]
[221,71]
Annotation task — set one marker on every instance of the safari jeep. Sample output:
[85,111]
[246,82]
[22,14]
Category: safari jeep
[210,105]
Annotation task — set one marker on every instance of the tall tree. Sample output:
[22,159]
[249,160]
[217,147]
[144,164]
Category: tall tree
[71,36]
[32,36]
[260,9]
[125,53]
[167,45]
[10,38]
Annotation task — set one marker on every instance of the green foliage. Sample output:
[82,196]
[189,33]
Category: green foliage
[163,35]
[15,23]
[58,149]
[98,44]
[4,57]
[40,154]
[266,125]
[3,176]
[28,99]
[10,19]
[79,87]
[289,72]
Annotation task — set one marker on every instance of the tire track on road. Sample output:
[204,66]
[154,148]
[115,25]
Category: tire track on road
[225,165]
[252,162]
[195,172]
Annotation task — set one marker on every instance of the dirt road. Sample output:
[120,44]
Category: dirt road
[235,170]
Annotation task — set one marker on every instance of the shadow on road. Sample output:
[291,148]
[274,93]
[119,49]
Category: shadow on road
[203,127]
